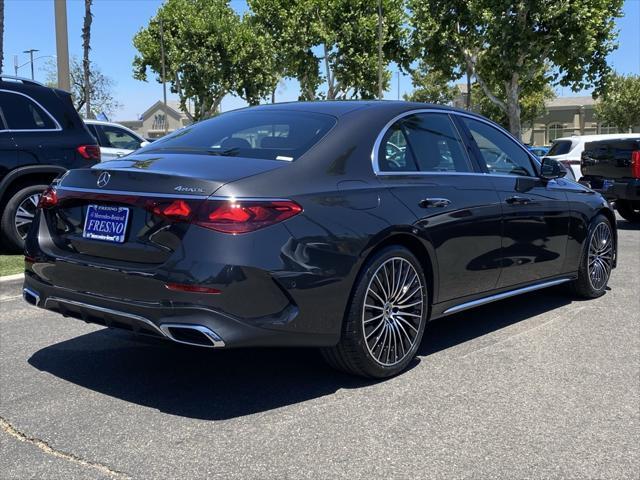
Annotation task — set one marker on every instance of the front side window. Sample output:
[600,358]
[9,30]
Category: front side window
[22,113]
[114,137]
[273,135]
[500,153]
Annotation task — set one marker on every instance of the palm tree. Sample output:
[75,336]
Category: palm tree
[1,33]
[86,65]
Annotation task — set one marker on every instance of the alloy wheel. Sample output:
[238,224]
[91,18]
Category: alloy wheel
[600,256]
[25,213]
[393,311]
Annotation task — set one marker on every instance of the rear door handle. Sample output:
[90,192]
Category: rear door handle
[518,200]
[434,202]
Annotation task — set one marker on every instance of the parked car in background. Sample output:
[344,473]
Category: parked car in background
[612,167]
[41,137]
[568,150]
[538,151]
[115,140]
[342,225]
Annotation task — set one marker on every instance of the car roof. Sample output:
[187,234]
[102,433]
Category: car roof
[338,108]
[592,138]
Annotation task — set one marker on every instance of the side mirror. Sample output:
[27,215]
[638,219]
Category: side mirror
[552,169]
[143,144]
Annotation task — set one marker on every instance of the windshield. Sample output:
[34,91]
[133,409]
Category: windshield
[274,135]
[561,147]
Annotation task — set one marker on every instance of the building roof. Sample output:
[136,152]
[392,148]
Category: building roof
[560,102]
[173,109]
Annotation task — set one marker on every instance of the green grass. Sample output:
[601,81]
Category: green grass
[10,264]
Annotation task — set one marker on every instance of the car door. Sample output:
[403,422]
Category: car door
[424,163]
[535,213]
[115,142]
[8,152]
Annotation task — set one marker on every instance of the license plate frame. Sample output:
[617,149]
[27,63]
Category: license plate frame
[106,223]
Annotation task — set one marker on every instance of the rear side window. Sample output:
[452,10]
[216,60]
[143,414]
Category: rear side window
[115,137]
[501,154]
[394,154]
[424,142]
[273,135]
[22,113]
[434,143]
[561,147]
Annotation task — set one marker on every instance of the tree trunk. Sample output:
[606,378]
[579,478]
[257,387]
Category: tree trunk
[513,106]
[1,34]
[86,46]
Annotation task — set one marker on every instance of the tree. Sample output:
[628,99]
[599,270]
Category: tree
[1,34]
[507,43]
[100,88]
[430,87]
[209,52]
[620,103]
[532,102]
[334,42]
[86,65]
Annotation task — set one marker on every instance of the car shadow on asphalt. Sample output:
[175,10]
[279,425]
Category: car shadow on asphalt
[217,385]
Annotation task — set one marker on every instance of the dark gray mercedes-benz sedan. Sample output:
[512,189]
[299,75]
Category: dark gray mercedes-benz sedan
[340,225]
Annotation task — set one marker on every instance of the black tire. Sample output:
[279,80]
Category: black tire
[629,210]
[9,234]
[585,286]
[354,354]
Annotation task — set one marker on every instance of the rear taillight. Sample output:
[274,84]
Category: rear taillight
[89,152]
[244,216]
[227,216]
[49,198]
[179,287]
[176,210]
[635,164]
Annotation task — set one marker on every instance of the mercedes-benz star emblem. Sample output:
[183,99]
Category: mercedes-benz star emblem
[103,179]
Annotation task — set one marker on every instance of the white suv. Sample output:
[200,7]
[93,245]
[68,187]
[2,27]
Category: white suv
[115,140]
[568,150]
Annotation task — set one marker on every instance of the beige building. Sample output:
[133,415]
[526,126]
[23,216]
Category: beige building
[565,116]
[152,122]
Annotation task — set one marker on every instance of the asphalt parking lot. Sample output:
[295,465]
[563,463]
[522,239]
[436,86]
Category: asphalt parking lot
[536,386]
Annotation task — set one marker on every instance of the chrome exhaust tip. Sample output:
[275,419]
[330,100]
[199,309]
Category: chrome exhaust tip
[188,334]
[31,297]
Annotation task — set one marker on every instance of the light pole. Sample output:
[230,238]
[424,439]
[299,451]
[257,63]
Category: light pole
[16,67]
[62,44]
[30,52]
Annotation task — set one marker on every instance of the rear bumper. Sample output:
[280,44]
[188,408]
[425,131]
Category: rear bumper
[210,328]
[614,189]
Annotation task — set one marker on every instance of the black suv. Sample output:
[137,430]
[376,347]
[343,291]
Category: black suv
[41,137]
[612,167]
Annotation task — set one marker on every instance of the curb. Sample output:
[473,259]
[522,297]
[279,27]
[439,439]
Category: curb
[9,278]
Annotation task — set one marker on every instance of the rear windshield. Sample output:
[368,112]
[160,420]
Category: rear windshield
[560,148]
[274,135]
[613,148]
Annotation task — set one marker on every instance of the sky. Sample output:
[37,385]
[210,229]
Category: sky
[30,24]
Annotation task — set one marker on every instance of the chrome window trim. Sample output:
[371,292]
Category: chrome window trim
[383,132]
[57,129]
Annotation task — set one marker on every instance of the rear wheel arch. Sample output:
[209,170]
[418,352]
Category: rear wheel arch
[24,176]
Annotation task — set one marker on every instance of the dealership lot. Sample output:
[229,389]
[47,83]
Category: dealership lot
[536,386]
